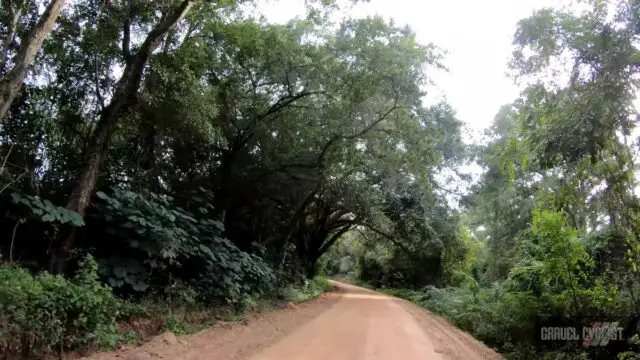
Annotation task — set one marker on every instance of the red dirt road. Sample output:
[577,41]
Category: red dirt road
[351,323]
[368,325]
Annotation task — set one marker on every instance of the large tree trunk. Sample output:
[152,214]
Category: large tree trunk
[10,85]
[124,97]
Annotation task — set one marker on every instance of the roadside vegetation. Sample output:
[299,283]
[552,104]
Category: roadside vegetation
[549,234]
[168,164]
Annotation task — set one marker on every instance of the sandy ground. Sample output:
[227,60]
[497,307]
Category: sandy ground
[349,323]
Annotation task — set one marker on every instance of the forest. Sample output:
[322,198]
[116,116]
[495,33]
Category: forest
[161,157]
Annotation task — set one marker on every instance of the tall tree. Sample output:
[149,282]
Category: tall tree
[124,97]
[28,47]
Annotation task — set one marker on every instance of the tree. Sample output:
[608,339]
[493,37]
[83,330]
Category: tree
[294,141]
[579,131]
[27,49]
[124,97]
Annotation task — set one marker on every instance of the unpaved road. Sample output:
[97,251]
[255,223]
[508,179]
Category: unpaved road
[350,323]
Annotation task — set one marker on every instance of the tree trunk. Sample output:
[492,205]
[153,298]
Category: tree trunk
[10,85]
[14,17]
[124,97]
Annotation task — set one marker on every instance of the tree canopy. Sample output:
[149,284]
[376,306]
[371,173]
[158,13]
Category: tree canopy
[148,145]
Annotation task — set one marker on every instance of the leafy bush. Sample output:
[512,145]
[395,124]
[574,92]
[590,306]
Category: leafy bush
[157,233]
[491,314]
[45,312]
[232,274]
[308,290]
[319,285]
[46,211]
[550,279]
[163,237]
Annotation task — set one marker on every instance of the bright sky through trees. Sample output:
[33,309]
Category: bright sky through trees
[476,34]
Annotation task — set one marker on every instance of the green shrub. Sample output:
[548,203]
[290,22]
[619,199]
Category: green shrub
[407,294]
[319,285]
[491,314]
[160,238]
[308,290]
[233,274]
[175,325]
[45,312]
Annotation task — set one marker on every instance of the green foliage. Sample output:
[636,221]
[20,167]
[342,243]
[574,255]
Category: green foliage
[173,324]
[243,151]
[494,315]
[552,278]
[555,213]
[340,260]
[46,211]
[248,156]
[306,291]
[551,254]
[166,236]
[148,224]
[43,313]
[236,275]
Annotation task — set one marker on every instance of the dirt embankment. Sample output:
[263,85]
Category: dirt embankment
[350,323]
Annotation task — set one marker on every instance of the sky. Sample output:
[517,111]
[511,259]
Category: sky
[477,36]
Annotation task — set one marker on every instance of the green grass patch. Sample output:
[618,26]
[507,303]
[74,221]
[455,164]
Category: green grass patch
[310,289]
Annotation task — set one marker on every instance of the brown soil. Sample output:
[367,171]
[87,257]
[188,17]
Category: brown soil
[349,323]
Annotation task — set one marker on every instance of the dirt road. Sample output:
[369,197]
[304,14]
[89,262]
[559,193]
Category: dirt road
[350,323]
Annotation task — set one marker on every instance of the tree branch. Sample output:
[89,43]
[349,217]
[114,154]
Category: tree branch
[126,38]
[15,14]
[29,46]
[284,102]
[399,244]
[333,239]
[366,129]
[155,36]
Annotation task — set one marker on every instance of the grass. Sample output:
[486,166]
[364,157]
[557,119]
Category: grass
[307,291]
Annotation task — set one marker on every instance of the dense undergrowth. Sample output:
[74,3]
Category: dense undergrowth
[556,279]
[507,322]
[46,314]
